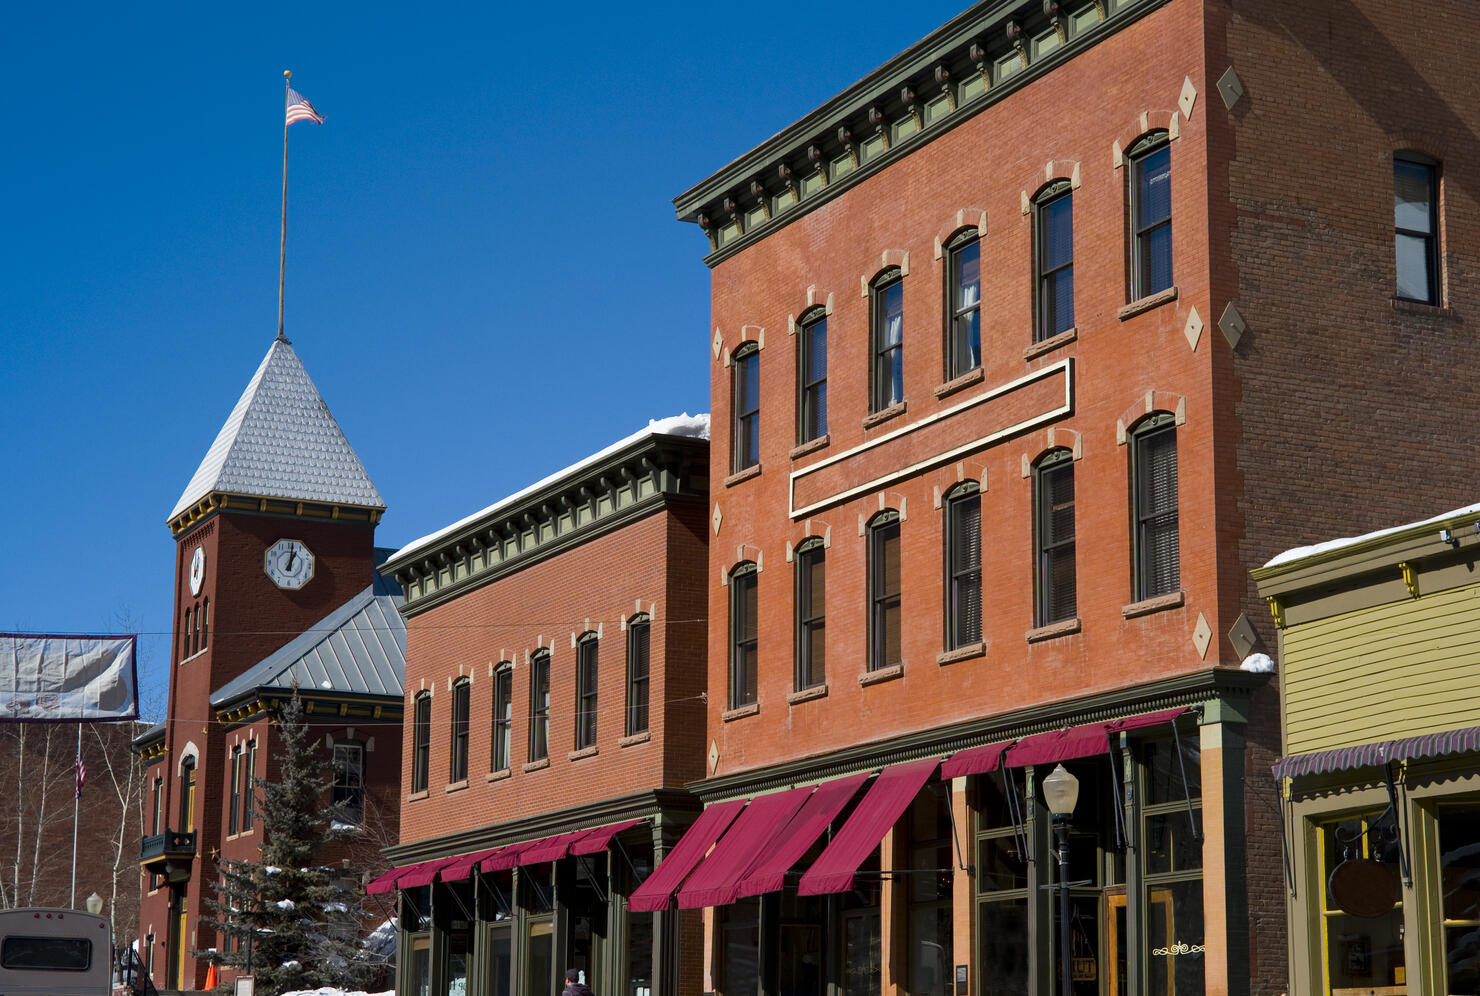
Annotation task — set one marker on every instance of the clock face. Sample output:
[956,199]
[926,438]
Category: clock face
[289,564]
[197,570]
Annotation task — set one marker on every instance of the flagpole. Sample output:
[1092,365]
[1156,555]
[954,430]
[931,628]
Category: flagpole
[76,807]
[283,244]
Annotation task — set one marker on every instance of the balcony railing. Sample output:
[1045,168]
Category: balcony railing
[163,849]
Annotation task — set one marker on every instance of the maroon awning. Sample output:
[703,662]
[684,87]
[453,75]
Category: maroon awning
[715,881]
[1149,719]
[1061,745]
[786,848]
[655,893]
[598,840]
[549,848]
[462,866]
[386,881]
[505,857]
[880,809]
[974,760]
[422,874]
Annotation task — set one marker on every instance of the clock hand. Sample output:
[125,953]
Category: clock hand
[292,556]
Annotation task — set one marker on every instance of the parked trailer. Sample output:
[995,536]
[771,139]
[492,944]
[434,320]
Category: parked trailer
[51,952]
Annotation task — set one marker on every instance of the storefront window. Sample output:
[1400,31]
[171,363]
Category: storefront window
[1459,873]
[1171,849]
[1362,953]
[421,966]
[799,949]
[539,962]
[928,887]
[740,941]
[1002,891]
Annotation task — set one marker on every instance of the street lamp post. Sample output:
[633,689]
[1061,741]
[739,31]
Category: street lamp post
[1061,792]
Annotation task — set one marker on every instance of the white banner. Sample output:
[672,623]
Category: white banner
[67,678]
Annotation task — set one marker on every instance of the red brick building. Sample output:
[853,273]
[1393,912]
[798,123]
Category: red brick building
[275,586]
[1026,348]
[555,679]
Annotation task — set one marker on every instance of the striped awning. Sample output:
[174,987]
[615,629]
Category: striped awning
[1379,753]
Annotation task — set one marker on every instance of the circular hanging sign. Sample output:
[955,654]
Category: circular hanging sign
[1365,888]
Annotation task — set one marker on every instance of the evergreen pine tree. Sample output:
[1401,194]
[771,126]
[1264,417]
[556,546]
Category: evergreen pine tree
[285,918]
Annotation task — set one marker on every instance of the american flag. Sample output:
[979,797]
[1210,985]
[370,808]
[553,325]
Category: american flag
[81,776]
[299,109]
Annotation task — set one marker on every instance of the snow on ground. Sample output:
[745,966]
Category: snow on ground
[337,992]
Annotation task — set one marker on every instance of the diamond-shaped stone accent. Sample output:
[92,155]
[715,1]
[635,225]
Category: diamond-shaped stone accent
[718,344]
[716,518]
[1202,635]
[1243,637]
[1230,88]
[713,756]
[1188,98]
[1232,324]
[1193,329]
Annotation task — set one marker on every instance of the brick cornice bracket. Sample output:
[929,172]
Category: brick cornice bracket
[967,217]
[1151,401]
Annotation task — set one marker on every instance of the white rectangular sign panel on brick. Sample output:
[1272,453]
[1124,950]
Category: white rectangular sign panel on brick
[67,678]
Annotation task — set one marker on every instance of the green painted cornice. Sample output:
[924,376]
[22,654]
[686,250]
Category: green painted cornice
[1229,688]
[749,198]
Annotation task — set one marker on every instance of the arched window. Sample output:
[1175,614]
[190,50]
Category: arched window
[744,635]
[745,404]
[1053,537]
[639,646]
[964,303]
[812,376]
[885,647]
[249,786]
[887,341]
[1150,178]
[1053,260]
[539,706]
[503,714]
[811,614]
[1154,477]
[462,693]
[187,795]
[587,656]
[963,560]
[421,741]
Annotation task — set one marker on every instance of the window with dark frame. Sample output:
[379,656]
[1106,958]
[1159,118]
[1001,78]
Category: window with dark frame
[249,786]
[503,715]
[963,558]
[185,635]
[586,683]
[205,623]
[812,378]
[964,299]
[811,609]
[349,782]
[1053,534]
[639,646]
[744,635]
[233,819]
[157,823]
[539,706]
[1053,238]
[1154,476]
[884,635]
[462,695]
[1151,215]
[421,742]
[887,342]
[1416,227]
[745,437]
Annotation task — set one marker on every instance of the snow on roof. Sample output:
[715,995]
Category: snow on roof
[1301,552]
[691,426]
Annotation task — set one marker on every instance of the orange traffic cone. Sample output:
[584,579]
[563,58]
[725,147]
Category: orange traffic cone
[211,977]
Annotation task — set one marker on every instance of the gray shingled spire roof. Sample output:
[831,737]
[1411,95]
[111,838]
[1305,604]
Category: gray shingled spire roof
[282,442]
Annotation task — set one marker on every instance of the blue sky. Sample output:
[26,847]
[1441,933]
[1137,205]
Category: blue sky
[485,277]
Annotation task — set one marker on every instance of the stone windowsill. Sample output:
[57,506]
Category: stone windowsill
[957,383]
[1037,349]
[810,446]
[187,660]
[414,796]
[499,775]
[456,786]
[966,653]
[1067,627]
[1403,306]
[635,739]
[881,674]
[539,765]
[1146,606]
[740,712]
[582,754]
[885,414]
[807,694]
[1147,303]
[754,470]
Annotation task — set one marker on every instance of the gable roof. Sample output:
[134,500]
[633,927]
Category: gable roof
[358,649]
[282,442]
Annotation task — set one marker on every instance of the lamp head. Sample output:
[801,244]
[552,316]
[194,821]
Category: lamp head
[1060,791]
[94,904]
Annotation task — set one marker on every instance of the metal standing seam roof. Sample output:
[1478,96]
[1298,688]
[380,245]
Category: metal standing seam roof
[358,649]
[281,441]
